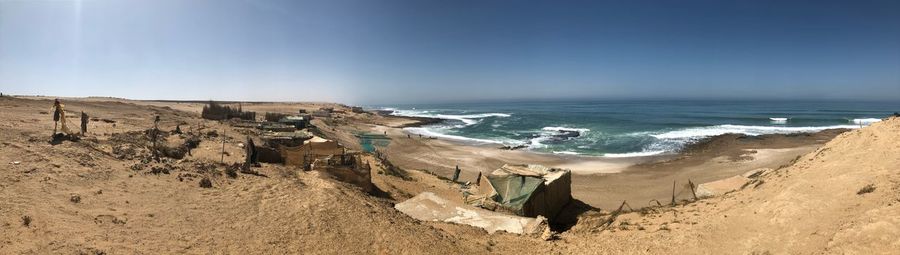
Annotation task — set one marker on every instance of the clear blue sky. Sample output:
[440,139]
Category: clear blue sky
[374,51]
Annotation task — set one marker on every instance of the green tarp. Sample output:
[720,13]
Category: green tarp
[513,191]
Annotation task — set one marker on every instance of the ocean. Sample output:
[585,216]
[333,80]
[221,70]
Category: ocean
[631,128]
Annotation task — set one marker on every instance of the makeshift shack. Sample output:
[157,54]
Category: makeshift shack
[299,122]
[315,147]
[349,168]
[294,138]
[531,190]
[277,127]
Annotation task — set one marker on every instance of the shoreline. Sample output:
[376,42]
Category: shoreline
[604,182]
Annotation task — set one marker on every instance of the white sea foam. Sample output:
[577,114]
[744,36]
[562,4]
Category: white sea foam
[431,133]
[548,133]
[703,132]
[633,154]
[779,120]
[865,121]
[579,130]
[566,152]
[467,119]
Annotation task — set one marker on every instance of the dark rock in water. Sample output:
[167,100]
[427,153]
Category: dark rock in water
[567,134]
[514,147]
[384,112]
[556,136]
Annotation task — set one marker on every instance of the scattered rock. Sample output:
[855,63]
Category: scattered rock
[192,142]
[205,183]
[231,171]
[867,189]
[124,151]
[161,169]
[26,221]
[15,162]
[549,235]
[106,218]
[75,198]
[91,251]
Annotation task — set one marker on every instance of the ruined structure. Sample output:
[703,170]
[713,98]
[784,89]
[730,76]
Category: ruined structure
[311,150]
[288,139]
[349,168]
[529,190]
[299,122]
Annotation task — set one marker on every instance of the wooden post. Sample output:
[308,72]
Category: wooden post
[456,173]
[673,192]
[693,191]
[155,133]
[223,146]
[478,180]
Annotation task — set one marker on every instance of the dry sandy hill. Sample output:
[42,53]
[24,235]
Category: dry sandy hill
[82,197]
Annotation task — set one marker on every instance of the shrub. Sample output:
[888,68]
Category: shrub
[867,189]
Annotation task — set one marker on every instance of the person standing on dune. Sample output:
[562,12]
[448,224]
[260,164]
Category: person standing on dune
[59,117]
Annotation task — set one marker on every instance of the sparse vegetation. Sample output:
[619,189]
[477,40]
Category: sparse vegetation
[867,189]
[231,172]
[205,183]
[26,221]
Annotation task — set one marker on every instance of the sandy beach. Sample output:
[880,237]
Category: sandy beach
[599,181]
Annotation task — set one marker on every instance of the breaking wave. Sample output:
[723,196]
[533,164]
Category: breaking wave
[555,135]
[865,121]
[579,130]
[703,132]
[431,133]
[467,119]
